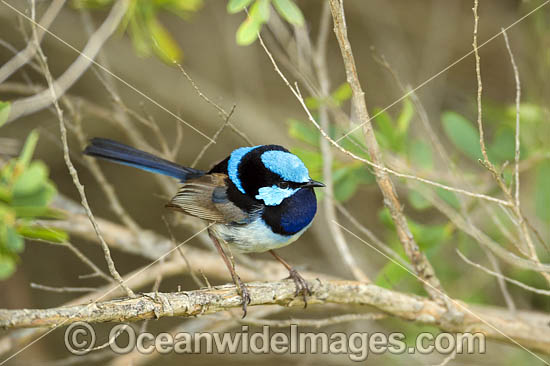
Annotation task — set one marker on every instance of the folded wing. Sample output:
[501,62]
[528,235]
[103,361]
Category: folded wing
[205,197]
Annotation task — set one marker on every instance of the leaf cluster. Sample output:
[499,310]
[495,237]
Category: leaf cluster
[25,194]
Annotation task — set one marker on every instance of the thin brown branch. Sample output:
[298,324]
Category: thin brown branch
[529,250]
[220,109]
[518,100]
[43,99]
[26,55]
[72,170]
[420,262]
[61,289]
[505,278]
[320,64]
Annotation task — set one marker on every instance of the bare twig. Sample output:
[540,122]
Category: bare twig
[214,138]
[96,270]
[62,289]
[73,172]
[103,182]
[421,264]
[25,55]
[519,220]
[518,100]
[479,84]
[370,235]
[501,276]
[44,98]
[319,61]
[220,109]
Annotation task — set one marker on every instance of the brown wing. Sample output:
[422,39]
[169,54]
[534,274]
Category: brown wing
[205,198]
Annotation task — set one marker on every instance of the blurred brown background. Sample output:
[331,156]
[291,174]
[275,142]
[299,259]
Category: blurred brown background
[418,38]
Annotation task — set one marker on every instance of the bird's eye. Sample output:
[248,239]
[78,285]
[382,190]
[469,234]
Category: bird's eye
[284,185]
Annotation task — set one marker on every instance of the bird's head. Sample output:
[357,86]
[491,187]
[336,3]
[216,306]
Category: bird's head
[269,173]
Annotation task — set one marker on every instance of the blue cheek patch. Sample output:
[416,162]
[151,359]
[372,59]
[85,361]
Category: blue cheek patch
[288,166]
[273,196]
[233,165]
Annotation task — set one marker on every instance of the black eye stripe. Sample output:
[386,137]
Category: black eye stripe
[287,184]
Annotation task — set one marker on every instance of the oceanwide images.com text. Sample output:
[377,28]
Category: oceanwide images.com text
[80,339]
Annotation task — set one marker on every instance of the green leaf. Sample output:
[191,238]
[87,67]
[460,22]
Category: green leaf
[7,266]
[312,159]
[462,134]
[429,236]
[140,39]
[542,191]
[386,129]
[179,6]
[5,108]
[163,44]
[43,233]
[528,113]
[418,201]
[14,242]
[260,10]
[290,11]
[38,212]
[28,149]
[346,181]
[313,103]
[304,132]
[248,31]
[390,275]
[31,179]
[342,93]
[503,146]
[448,197]
[235,6]
[344,189]
[420,154]
[41,197]
[5,194]
[405,117]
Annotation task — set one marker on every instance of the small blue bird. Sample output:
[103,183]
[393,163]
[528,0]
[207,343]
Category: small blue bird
[257,199]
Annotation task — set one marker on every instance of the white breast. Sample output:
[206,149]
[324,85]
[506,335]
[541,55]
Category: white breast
[254,237]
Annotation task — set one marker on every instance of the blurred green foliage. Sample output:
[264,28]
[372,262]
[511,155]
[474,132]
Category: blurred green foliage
[348,175]
[394,135]
[25,193]
[4,112]
[150,36]
[141,20]
[259,14]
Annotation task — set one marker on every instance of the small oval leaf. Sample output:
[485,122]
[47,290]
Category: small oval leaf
[290,11]
[462,134]
[235,6]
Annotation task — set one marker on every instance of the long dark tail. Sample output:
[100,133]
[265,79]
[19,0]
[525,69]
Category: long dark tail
[127,155]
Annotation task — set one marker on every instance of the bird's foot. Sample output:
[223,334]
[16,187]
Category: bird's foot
[301,285]
[245,295]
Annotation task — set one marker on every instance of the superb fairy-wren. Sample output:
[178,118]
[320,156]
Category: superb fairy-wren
[257,199]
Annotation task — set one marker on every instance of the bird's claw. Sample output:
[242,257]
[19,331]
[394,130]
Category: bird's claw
[245,295]
[301,285]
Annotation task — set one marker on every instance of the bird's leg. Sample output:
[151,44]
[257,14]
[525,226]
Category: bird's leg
[300,283]
[243,291]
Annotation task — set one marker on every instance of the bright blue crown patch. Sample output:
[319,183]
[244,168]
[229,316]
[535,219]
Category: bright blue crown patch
[288,166]
[233,165]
